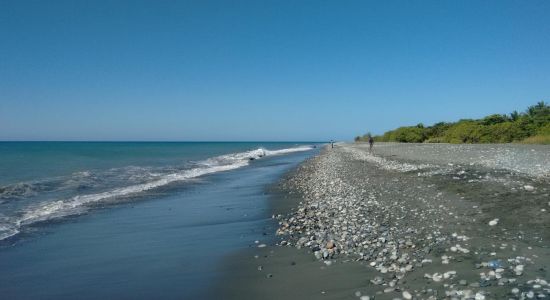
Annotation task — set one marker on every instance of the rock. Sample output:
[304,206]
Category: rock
[318,254]
[449,274]
[377,280]
[437,277]
[529,188]
[519,268]
[479,296]
[395,222]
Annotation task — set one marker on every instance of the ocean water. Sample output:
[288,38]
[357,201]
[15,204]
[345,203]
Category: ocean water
[131,220]
[45,181]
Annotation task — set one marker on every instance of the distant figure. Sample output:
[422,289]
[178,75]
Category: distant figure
[331,143]
[371,143]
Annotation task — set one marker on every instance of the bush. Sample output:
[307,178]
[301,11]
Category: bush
[494,119]
[496,128]
[464,132]
[544,130]
[506,132]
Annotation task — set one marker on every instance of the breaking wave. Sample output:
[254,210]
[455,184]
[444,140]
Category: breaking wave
[49,210]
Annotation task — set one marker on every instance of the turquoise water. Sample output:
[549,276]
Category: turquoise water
[132,220]
[44,181]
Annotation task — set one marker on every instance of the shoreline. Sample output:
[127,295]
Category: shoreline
[276,271]
[168,243]
[389,226]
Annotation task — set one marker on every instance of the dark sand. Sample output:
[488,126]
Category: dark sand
[445,197]
[282,272]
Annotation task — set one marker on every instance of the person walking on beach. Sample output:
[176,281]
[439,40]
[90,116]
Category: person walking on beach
[331,144]
[371,143]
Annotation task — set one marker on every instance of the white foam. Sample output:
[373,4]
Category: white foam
[78,204]
[7,231]
[288,150]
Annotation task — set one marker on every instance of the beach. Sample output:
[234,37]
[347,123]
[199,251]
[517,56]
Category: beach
[424,221]
[276,221]
[274,150]
[132,220]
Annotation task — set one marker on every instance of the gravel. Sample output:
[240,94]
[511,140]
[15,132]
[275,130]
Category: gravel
[429,228]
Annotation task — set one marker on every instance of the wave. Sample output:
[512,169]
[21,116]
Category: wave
[19,190]
[79,204]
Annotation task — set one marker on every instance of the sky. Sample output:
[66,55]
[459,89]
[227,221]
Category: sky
[263,70]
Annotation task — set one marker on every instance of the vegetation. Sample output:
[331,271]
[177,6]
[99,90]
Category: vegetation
[531,126]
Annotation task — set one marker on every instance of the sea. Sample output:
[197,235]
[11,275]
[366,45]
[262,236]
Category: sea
[132,220]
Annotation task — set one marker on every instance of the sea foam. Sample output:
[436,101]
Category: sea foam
[79,204]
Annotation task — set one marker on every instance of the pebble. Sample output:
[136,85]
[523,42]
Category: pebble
[397,225]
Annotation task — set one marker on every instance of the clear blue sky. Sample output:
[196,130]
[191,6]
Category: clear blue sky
[263,70]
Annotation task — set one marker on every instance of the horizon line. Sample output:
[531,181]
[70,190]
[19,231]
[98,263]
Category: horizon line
[162,141]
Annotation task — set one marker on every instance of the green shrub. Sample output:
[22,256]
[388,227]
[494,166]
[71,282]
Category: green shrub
[544,130]
[463,132]
[496,128]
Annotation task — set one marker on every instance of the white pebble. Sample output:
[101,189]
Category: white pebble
[529,188]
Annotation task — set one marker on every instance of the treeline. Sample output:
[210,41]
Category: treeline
[531,126]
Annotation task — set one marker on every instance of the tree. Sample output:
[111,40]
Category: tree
[496,128]
[494,119]
[514,115]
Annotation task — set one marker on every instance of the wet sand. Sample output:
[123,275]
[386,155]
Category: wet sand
[168,244]
[390,225]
